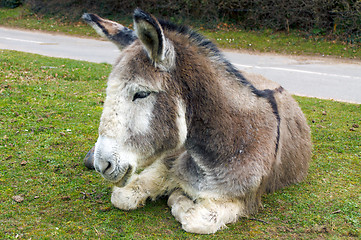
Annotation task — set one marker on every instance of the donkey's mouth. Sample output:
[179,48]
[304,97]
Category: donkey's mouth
[124,179]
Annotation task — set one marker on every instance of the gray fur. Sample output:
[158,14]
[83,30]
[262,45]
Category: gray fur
[245,135]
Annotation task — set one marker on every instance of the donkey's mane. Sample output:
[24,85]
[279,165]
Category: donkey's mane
[214,51]
[202,42]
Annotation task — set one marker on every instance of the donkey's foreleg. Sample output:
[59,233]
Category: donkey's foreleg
[204,216]
[150,183]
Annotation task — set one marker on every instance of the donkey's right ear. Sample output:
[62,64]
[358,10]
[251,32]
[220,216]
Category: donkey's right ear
[115,32]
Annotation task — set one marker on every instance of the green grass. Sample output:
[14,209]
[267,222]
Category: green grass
[225,35]
[23,18]
[49,113]
[293,43]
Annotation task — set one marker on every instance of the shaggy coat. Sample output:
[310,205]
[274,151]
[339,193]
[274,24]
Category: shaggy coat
[212,138]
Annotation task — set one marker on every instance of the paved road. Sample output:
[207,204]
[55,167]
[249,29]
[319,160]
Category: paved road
[315,77]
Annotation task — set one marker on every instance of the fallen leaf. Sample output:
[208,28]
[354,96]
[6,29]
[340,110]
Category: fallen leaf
[18,198]
[105,209]
[65,198]
[320,229]
[23,163]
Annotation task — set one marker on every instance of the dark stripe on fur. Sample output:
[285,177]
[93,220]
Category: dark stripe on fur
[267,94]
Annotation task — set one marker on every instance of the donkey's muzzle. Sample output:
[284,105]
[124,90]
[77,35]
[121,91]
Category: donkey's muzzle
[112,162]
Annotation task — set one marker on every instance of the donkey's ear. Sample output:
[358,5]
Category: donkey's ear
[115,32]
[150,33]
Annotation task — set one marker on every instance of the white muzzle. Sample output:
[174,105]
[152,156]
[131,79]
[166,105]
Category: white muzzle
[112,161]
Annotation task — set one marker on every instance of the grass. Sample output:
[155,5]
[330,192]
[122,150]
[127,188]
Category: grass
[293,43]
[49,113]
[23,18]
[225,35]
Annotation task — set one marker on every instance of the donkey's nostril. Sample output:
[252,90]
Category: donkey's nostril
[107,167]
[103,166]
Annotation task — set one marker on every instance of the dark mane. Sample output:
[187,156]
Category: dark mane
[214,51]
[193,36]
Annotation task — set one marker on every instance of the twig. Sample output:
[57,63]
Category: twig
[97,232]
[259,220]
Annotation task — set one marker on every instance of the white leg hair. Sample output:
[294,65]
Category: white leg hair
[150,183]
[204,216]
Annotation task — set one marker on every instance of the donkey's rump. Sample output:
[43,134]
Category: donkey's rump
[294,143]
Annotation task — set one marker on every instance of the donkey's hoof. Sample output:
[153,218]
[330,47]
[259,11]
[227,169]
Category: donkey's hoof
[128,198]
[89,159]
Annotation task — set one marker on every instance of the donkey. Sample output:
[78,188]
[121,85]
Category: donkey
[180,120]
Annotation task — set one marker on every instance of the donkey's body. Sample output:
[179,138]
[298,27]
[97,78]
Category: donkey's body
[212,138]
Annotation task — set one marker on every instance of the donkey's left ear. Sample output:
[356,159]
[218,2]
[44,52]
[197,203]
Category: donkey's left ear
[150,33]
[115,32]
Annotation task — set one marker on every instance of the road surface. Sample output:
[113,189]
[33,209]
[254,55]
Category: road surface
[315,77]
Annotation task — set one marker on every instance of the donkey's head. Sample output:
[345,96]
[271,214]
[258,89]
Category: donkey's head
[142,118]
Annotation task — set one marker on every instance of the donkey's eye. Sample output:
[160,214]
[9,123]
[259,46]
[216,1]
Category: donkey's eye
[141,94]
